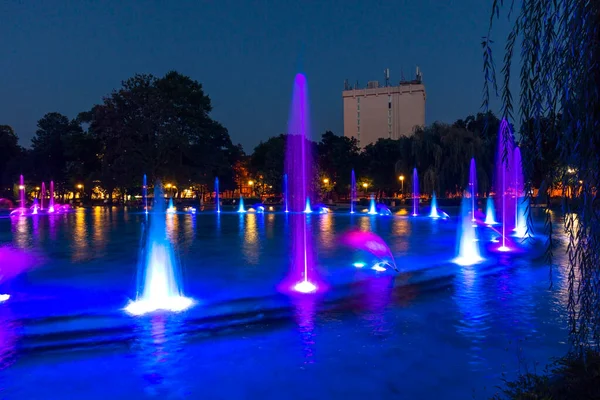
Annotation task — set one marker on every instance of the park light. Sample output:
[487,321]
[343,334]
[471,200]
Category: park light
[37,188]
[168,186]
[365,185]
[401,177]
[21,187]
[326,181]
[250,183]
[80,186]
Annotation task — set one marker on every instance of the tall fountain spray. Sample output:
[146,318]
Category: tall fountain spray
[241,208]
[51,200]
[520,208]
[145,193]
[298,165]
[467,243]
[42,195]
[217,199]
[490,212]
[352,191]
[415,193]
[473,187]
[22,204]
[159,276]
[434,212]
[307,207]
[505,179]
[285,193]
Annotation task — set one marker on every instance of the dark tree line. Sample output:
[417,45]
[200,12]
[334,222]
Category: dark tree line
[155,126]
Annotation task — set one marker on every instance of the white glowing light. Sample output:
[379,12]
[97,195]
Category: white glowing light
[171,210]
[359,264]
[305,287]
[503,249]
[145,306]
[4,297]
[378,267]
[466,261]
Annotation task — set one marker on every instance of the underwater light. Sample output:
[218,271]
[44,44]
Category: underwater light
[504,249]
[4,297]
[359,264]
[305,287]
[145,306]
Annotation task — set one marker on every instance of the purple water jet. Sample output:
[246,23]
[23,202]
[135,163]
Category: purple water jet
[415,193]
[22,203]
[298,167]
[352,191]
[51,200]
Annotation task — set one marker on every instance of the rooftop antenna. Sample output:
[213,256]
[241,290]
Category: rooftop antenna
[346,85]
[386,73]
[402,78]
[356,86]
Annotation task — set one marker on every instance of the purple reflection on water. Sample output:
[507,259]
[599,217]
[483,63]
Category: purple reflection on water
[304,314]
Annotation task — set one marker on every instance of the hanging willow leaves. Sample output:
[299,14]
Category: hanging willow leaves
[559,103]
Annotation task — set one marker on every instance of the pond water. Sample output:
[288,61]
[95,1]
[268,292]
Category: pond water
[434,330]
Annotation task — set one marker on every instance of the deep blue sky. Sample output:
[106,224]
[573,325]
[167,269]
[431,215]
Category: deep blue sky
[65,55]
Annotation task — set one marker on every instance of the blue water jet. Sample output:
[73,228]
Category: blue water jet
[434,212]
[159,276]
[241,208]
[372,207]
[217,199]
[467,243]
[490,212]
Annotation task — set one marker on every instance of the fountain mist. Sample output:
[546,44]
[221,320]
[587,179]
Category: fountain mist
[415,193]
[298,166]
[467,242]
[159,276]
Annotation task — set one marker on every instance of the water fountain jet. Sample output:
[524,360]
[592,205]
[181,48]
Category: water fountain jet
[415,193]
[241,208]
[159,287]
[467,244]
[217,199]
[352,191]
[434,212]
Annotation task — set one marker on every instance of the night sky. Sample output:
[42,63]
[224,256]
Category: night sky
[65,56]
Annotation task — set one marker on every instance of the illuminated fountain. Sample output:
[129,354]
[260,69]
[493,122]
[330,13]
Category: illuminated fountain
[352,191]
[241,208]
[490,212]
[145,194]
[159,276]
[434,212]
[473,187]
[35,207]
[307,207]
[51,200]
[467,243]
[298,166]
[22,204]
[42,195]
[415,193]
[372,207]
[505,180]
[520,229]
[217,199]
[285,193]
[171,209]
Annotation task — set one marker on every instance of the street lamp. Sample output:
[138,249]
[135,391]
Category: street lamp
[326,181]
[401,178]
